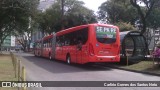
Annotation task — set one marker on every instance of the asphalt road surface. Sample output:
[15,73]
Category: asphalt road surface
[41,69]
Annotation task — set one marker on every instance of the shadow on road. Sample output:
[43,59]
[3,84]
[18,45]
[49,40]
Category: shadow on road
[56,66]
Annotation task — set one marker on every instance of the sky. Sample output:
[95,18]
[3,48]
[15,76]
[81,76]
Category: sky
[93,4]
[44,4]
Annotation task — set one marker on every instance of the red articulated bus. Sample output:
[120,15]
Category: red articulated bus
[43,47]
[82,44]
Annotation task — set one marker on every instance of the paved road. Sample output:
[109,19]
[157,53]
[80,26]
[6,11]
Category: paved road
[41,69]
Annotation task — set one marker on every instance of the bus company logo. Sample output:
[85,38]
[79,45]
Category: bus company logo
[6,84]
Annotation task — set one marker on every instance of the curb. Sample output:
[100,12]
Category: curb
[143,72]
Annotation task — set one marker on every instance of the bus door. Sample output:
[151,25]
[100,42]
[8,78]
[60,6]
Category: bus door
[140,46]
[59,47]
[73,47]
[60,51]
[73,53]
[79,52]
[53,50]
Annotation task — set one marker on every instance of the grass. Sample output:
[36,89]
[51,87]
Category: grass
[6,70]
[147,66]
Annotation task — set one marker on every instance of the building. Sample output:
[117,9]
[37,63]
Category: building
[8,43]
[43,5]
[36,36]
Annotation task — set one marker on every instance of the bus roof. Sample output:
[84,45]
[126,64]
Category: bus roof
[73,29]
[81,27]
[48,37]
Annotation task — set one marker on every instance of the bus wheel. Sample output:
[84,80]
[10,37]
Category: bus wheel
[68,59]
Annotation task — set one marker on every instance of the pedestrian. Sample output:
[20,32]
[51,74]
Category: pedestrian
[156,52]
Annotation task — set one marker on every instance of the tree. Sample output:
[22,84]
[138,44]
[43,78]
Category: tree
[123,26]
[114,11]
[77,14]
[24,35]
[74,14]
[14,16]
[145,11]
[153,20]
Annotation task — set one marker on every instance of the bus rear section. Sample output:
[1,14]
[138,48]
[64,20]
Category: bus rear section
[37,48]
[104,43]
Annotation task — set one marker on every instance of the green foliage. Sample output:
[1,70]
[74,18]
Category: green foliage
[113,11]
[77,14]
[74,14]
[123,26]
[153,21]
[144,12]
[14,16]
[129,11]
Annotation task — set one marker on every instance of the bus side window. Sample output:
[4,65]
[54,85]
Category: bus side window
[79,42]
[67,40]
[82,35]
[58,41]
[79,39]
[72,38]
[50,43]
[62,40]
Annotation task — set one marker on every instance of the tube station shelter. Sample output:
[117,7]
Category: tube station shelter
[133,46]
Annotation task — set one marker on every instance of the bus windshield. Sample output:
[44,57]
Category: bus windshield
[105,35]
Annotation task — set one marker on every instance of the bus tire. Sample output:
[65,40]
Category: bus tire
[68,59]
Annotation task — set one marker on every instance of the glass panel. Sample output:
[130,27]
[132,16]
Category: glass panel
[129,46]
[140,46]
[105,35]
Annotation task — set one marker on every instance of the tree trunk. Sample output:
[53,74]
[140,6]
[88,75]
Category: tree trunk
[144,26]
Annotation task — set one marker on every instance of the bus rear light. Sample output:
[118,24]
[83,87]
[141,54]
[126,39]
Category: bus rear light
[91,50]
